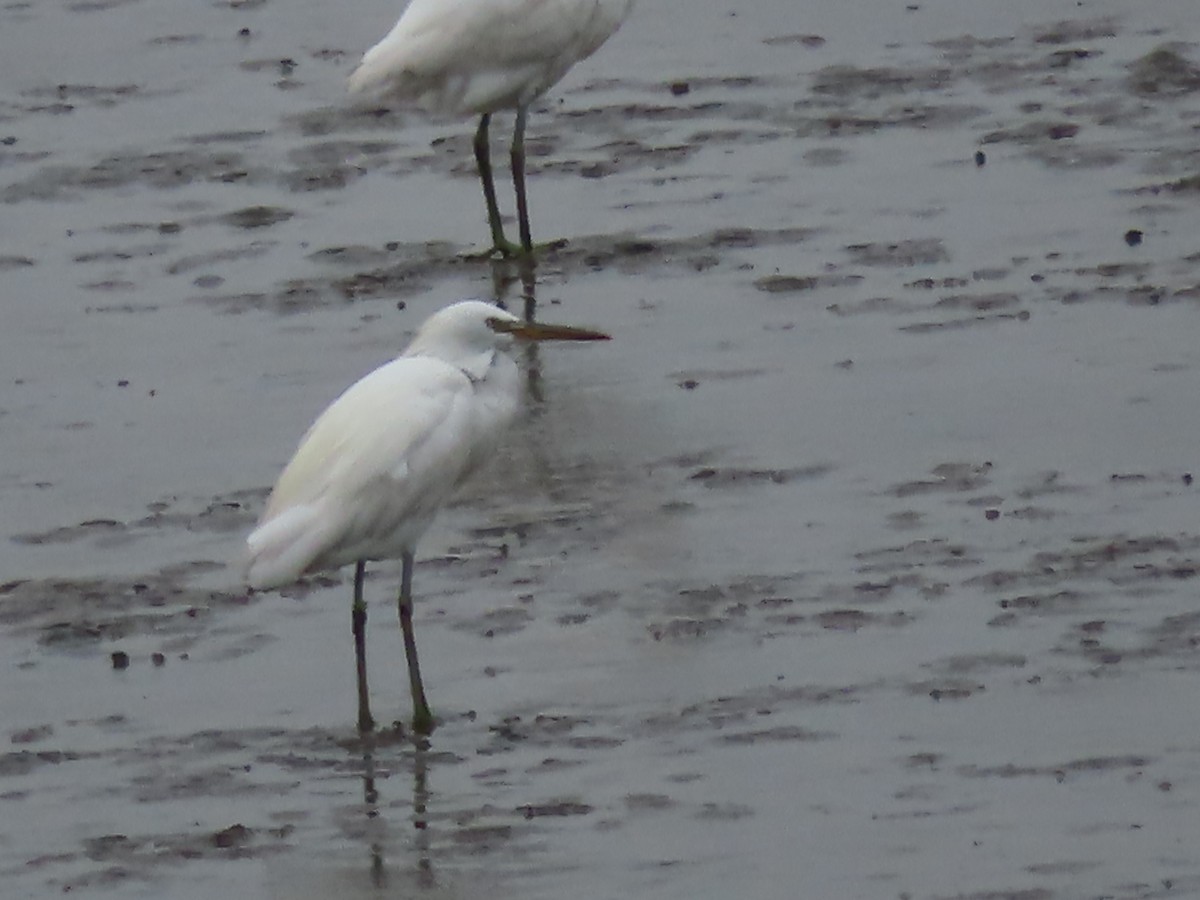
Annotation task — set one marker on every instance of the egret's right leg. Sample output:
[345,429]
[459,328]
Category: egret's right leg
[422,717]
[358,620]
[483,159]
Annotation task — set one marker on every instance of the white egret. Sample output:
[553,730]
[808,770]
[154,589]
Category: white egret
[376,466]
[479,56]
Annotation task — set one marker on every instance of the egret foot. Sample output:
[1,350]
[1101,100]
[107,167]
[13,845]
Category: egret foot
[422,723]
[504,249]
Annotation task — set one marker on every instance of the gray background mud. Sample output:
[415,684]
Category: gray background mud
[861,563]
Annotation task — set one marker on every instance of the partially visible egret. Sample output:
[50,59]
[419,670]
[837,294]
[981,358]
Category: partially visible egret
[479,56]
[377,465]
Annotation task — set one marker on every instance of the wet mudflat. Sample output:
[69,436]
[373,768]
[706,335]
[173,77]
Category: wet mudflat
[861,563]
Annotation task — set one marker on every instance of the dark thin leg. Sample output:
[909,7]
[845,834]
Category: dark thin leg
[358,620]
[518,177]
[422,717]
[483,159]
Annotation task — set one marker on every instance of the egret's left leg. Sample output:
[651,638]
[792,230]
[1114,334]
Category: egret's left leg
[358,620]
[527,248]
[518,177]
[422,717]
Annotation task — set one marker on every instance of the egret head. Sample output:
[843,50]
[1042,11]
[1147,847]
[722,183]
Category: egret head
[468,334]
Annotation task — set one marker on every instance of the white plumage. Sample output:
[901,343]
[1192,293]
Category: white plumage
[479,56]
[373,470]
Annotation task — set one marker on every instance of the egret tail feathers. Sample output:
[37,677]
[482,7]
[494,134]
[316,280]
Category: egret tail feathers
[282,548]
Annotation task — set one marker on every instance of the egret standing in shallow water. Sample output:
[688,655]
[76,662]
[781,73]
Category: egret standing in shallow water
[376,466]
[479,56]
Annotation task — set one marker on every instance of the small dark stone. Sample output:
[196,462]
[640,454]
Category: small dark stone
[1187,478]
[980,157]
[679,88]
[232,836]
[158,659]
[991,514]
[1133,237]
[120,660]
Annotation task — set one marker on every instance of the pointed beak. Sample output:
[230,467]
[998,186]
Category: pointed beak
[541,331]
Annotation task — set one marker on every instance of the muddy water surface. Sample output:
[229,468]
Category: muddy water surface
[861,563]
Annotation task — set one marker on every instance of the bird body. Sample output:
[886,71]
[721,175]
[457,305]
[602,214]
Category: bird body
[480,56]
[368,487]
[372,471]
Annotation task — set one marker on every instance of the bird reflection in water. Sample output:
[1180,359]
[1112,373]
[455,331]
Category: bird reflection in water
[423,875]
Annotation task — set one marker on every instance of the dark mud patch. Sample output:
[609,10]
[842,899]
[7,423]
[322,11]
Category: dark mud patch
[854,620]
[251,217]
[741,713]
[917,252]
[548,731]
[1095,765]
[1118,561]
[923,553]
[221,515]
[65,98]
[711,477]
[853,82]
[957,477]
[141,858]
[795,284]
[782,734]
[156,171]
[1164,72]
[403,270]
[497,622]
[73,613]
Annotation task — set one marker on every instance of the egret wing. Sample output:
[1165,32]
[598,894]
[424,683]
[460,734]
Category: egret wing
[370,473]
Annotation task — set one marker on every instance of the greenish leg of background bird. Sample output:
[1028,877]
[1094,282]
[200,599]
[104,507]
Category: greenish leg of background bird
[501,246]
[359,626]
[517,156]
[422,717]
[528,249]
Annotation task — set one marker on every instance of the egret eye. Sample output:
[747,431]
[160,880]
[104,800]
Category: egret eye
[501,326]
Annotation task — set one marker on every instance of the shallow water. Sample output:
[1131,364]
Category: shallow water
[860,563]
